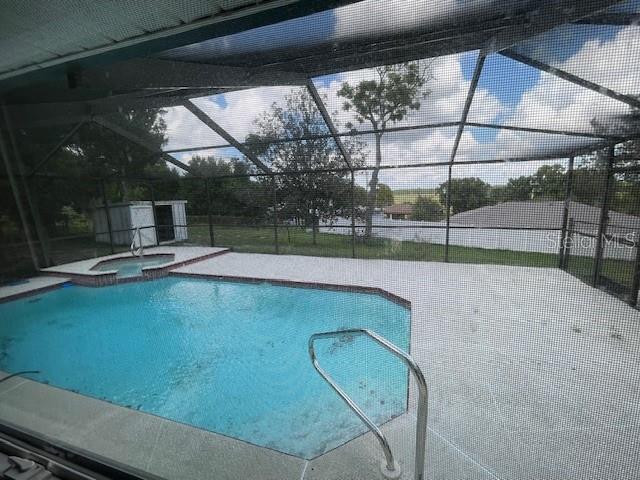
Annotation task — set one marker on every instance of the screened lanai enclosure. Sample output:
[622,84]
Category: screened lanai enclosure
[466,174]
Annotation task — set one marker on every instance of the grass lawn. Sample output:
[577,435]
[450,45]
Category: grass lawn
[297,241]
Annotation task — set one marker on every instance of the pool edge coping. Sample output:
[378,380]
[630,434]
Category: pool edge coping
[162,423]
[102,279]
[397,299]
[64,279]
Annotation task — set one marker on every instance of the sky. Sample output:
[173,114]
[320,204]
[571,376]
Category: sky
[508,93]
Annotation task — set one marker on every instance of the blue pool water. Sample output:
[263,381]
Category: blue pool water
[132,267]
[227,357]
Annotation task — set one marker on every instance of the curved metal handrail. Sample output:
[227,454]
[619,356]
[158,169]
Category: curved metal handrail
[423,398]
[137,252]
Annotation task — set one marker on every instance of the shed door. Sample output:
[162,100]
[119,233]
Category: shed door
[164,217]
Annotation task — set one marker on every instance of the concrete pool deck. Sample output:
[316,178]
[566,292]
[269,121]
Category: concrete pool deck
[30,286]
[532,374]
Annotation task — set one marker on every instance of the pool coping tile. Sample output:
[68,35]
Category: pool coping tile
[130,439]
[33,286]
[82,273]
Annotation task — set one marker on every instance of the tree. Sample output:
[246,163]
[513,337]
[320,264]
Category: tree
[106,154]
[427,210]
[235,196]
[626,195]
[382,102]
[312,197]
[93,151]
[384,197]
[518,189]
[466,194]
[549,183]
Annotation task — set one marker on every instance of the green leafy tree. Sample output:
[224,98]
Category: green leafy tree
[106,154]
[384,198]
[626,194]
[230,197]
[93,151]
[518,189]
[311,197]
[549,183]
[466,194]
[427,210]
[382,102]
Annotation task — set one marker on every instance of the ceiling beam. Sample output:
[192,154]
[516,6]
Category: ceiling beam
[139,140]
[547,131]
[55,149]
[64,113]
[632,102]
[152,73]
[208,121]
[329,122]
[467,104]
[408,128]
[477,71]
[611,18]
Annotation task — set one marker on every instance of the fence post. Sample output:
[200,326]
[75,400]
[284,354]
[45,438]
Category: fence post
[275,214]
[570,237]
[604,217]
[448,213]
[155,218]
[353,217]
[565,215]
[212,241]
[635,284]
[103,191]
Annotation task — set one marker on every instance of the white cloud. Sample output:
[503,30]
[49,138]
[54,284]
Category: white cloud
[551,103]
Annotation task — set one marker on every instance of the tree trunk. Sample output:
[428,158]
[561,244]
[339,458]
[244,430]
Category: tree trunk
[373,190]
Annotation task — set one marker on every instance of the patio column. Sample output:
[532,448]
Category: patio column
[107,212]
[604,217]
[463,120]
[353,216]
[16,195]
[275,214]
[635,284]
[565,216]
[211,237]
[153,210]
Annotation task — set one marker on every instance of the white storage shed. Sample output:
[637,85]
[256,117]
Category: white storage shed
[126,217]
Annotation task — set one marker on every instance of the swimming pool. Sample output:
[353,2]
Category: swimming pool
[227,357]
[132,266]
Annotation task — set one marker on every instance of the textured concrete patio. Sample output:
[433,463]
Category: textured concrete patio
[532,374]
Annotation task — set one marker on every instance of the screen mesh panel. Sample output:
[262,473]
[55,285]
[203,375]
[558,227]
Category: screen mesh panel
[461,178]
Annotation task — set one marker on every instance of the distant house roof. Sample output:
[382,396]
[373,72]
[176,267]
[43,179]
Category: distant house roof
[545,215]
[403,209]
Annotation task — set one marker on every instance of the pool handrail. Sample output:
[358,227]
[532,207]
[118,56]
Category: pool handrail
[391,467]
[137,252]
